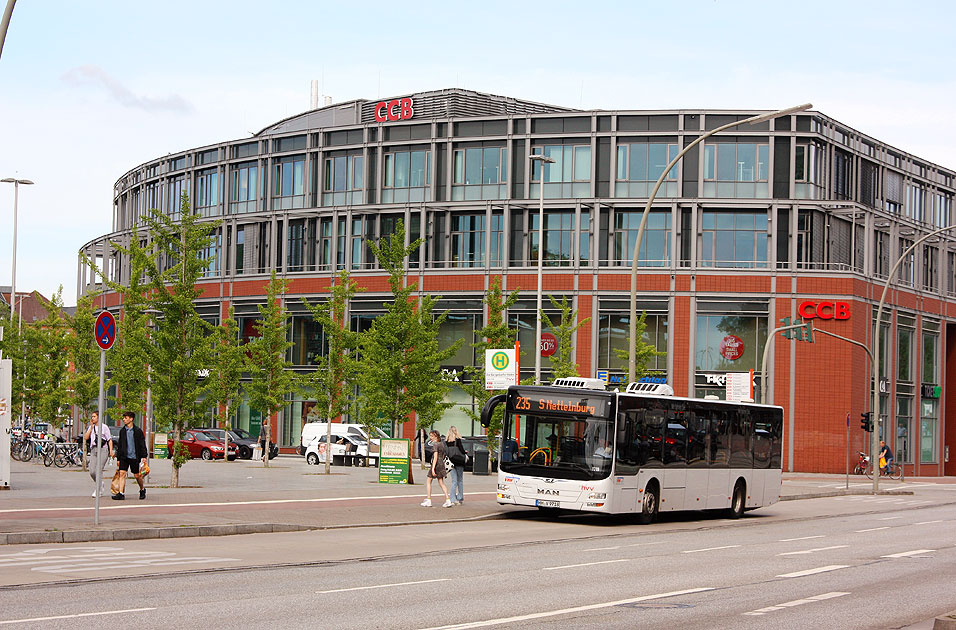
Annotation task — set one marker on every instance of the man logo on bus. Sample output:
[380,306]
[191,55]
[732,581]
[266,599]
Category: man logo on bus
[499,360]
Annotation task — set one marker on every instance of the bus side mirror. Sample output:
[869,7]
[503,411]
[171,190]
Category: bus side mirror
[489,409]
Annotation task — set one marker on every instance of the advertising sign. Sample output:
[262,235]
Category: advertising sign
[731,347]
[549,344]
[394,461]
[501,369]
[740,386]
[6,415]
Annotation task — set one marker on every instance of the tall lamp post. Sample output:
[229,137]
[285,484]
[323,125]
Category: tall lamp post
[877,421]
[13,271]
[632,325]
[542,159]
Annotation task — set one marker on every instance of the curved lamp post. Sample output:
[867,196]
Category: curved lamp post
[543,159]
[877,420]
[632,325]
[13,272]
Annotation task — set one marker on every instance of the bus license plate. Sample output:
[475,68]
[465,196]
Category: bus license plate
[542,503]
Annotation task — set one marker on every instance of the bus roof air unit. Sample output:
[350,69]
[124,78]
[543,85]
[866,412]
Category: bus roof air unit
[657,389]
[577,382]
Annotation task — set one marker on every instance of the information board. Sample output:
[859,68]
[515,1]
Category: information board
[394,461]
[740,386]
[501,368]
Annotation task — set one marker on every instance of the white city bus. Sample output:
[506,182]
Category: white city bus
[574,446]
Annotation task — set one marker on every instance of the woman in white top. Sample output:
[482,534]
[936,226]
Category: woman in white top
[104,449]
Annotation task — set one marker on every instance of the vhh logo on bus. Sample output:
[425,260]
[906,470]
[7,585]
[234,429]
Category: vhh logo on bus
[824,310]
[397,109]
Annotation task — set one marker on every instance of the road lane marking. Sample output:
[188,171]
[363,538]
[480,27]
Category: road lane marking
[586,564]
[872,529]
[832,567]
[907,554]
[137,506]
[90,614]
[365,588]
[927,522]
[661,542]
[890,518]
[796,602]
[801,538]
[603,548]
[566,611]
[710,549]
[805,551]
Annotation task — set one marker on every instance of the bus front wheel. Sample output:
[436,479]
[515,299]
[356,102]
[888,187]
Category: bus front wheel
[650,504]
[738,501]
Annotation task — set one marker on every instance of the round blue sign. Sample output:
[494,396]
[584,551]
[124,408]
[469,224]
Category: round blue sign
[104,330]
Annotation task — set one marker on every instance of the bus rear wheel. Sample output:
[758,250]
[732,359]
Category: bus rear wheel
[738,501]
[650,505]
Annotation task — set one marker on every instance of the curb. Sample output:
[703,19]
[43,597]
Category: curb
[103,535]
[841,493]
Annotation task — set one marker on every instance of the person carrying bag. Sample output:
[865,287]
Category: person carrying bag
[457,456]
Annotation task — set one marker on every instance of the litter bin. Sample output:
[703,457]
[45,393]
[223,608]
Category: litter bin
[480,465]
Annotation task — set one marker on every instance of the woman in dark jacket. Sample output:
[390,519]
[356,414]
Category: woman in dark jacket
[437,470]
[456,453]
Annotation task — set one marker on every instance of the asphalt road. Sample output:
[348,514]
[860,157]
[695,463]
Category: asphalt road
[851,562]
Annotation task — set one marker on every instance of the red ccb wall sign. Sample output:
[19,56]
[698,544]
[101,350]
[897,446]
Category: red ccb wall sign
[398,109]
[824,310]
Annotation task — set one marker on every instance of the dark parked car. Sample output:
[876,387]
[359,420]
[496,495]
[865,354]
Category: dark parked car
[200,444]
[245,435]
[243,441]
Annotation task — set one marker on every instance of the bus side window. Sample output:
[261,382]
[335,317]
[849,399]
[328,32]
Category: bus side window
[650,434]
[763,438]
[628,446]
[698,439]
[675,438]
[741,455]
[720,439]
[776,430]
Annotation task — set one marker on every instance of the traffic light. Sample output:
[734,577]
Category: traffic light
[865,423]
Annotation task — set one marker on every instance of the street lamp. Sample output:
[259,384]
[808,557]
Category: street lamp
[542,159]
[13,272]
[632,325]
[875,437]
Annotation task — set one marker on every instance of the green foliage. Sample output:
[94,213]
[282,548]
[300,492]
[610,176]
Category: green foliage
[83,380]
[401,361]
[180,348]
[46,381]
[563,363]
[270,371]
[494,335]
[337,368]
[643,351]
[228,362]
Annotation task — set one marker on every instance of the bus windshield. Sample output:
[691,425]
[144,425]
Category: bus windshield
[577,447]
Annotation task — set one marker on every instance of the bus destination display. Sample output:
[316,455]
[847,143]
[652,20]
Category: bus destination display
[547,402]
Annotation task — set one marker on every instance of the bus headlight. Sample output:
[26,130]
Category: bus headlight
[597,495]
[501,495]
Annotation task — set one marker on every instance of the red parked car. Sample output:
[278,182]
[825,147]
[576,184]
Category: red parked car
[202,445]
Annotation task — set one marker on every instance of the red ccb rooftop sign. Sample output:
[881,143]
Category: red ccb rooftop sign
[397,109]
[824,310]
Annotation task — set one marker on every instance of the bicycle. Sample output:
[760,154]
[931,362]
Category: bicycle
[68,454]
[862,465]
[892,471]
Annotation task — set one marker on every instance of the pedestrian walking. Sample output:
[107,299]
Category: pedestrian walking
[456,453]
[100,449]
[437,471]
[130,455]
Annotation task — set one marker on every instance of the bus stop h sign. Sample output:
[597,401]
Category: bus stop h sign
[105,330]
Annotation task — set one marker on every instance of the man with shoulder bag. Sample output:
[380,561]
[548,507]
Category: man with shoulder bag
[131,456]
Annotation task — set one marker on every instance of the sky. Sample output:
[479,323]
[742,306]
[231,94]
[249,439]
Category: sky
[90,90]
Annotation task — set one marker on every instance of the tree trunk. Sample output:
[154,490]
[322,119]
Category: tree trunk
[265,447]
[174,477]
[328,440]
[225,441]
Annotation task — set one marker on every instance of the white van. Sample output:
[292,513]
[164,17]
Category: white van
[347,449]
[312,431]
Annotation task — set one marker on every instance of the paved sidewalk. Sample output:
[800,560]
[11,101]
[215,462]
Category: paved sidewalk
[216,498]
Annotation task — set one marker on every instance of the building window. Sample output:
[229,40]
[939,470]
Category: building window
[175,189]
[639,164]
[930,268]
[730,338]
[407,176]
[904,354]
[893,192]
[929,359]
[907,267]
[904,417]
[245,185]
[340,246]
[207,193]
[943,209]
[842,175]
[737,170]
[558,239]
[468,240]
[344,180]
[733,239]
[585,236]
[927,432]
[570,174]
[951,273]
[288,183]
[497,239]
[211,255]
[325,244]
[296,244]
[655,245]
[240,249]
[480,173]
[612,335]
[809,167]
[916,203]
